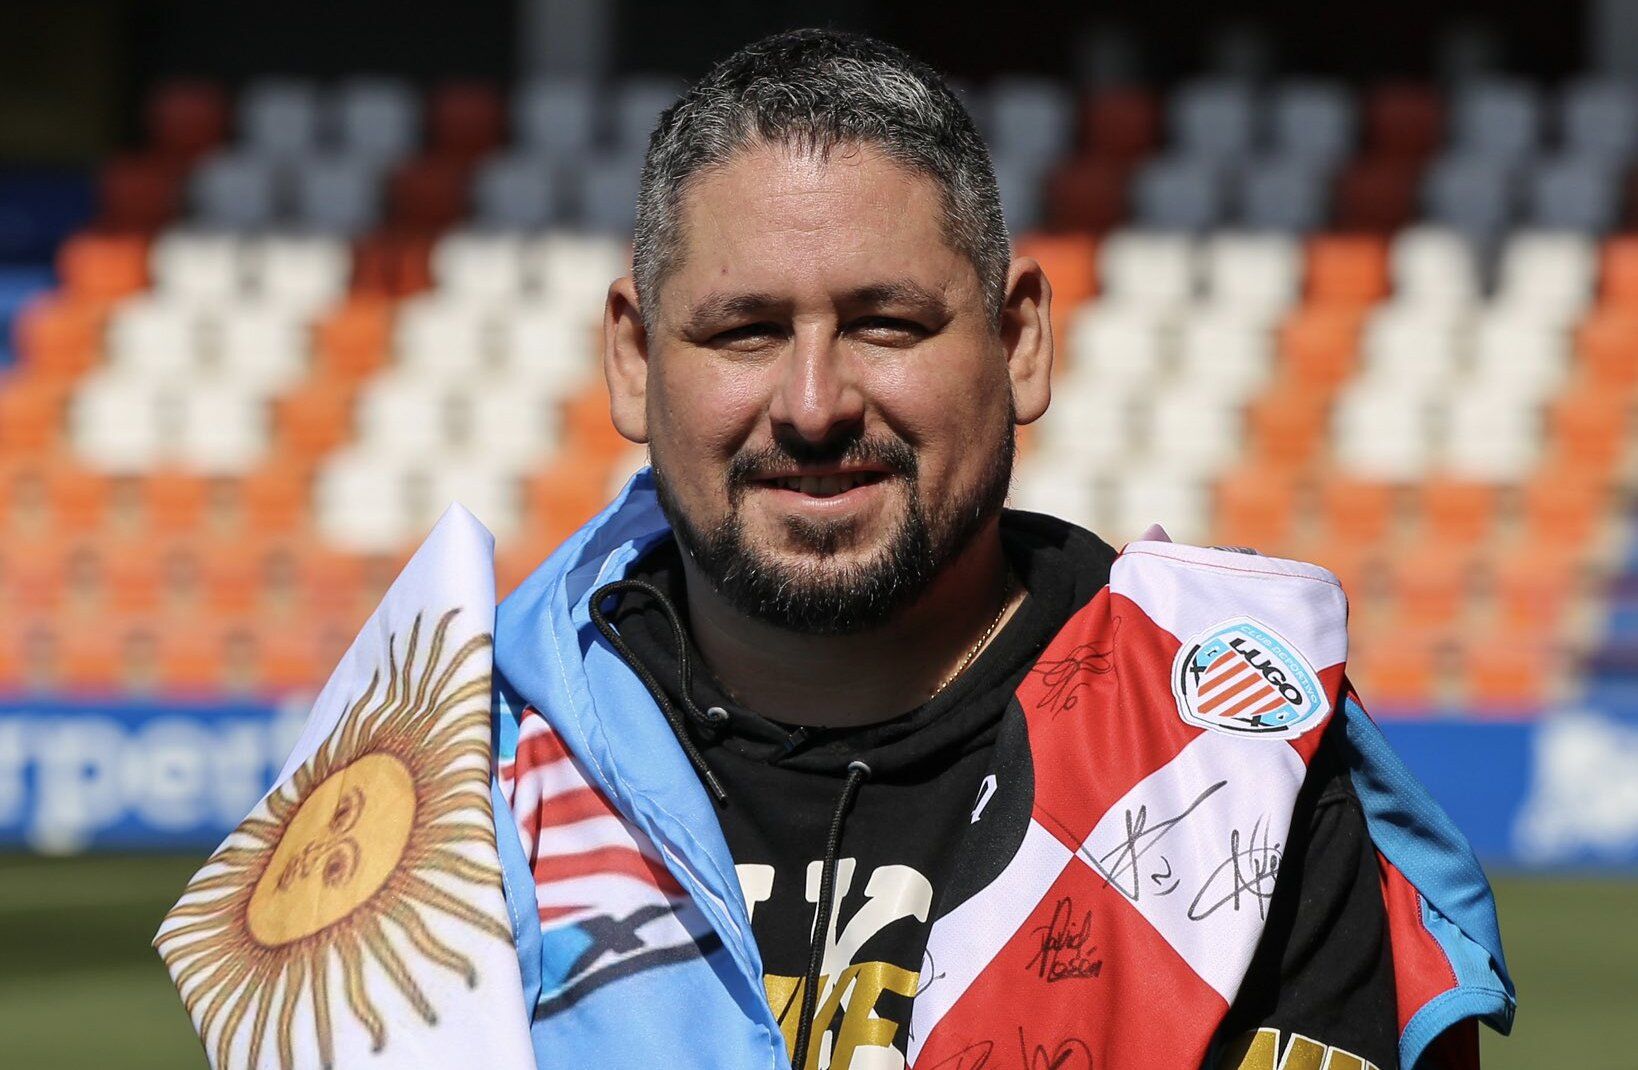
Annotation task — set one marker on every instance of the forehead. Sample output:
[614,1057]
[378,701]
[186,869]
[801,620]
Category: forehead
[776,216]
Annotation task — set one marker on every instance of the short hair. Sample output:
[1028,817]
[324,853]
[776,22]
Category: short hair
[817,89]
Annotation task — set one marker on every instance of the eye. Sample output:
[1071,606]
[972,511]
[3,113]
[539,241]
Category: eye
[748,336]
[887,330]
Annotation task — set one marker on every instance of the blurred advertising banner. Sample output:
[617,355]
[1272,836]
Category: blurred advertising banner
[1558,792]
[121,775]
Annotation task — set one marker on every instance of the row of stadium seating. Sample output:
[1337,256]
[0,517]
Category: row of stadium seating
[224,434]
[348,157]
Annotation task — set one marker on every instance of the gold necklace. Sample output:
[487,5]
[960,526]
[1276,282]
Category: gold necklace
[983,640]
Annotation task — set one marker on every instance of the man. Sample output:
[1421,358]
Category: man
[818,757]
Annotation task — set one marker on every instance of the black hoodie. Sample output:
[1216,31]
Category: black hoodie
[931,804]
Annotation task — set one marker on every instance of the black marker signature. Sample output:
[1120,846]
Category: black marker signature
[1065,677]
[1250,871]
[1066,950]
[1160,879]
[1071,1053]
[1120,866]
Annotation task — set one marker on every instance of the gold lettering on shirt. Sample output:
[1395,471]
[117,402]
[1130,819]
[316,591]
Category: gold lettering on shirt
[1259,1050]
[854,996]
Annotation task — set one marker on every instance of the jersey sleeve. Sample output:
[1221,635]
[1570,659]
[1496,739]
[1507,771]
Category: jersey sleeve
[1320,988]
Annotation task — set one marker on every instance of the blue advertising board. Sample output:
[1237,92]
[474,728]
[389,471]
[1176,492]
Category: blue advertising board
[1555,792]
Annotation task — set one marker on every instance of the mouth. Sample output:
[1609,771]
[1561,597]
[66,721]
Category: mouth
[829,484]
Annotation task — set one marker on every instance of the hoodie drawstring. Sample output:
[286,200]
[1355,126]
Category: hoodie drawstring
[603,625]
[857,773]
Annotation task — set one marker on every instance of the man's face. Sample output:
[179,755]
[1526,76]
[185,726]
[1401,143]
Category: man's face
[827,401]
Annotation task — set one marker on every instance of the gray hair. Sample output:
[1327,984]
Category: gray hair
[816,89]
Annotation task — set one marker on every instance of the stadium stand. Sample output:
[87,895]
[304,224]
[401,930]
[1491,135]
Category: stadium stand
[1391,330]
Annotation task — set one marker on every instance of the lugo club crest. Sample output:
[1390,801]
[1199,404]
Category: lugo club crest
[1242,678]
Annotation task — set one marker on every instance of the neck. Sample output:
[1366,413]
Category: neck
[850,680]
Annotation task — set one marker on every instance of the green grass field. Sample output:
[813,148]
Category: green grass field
[79,986]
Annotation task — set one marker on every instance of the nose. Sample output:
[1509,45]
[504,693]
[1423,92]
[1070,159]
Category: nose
[817,396]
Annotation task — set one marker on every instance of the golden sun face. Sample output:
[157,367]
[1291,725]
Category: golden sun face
[364,856]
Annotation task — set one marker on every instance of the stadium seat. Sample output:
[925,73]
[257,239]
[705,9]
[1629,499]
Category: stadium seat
[1181,193]
[1312,121]
[301,273]
[1456,511]
[1214,119]
[116,423]
[1472,194]
[1282,194]
[102,267]
[480,268]
[516,191]
[1551,273]
[1434,266]
[429,193]
[1376,194]
[235,191]
[1319,345]
[375,118]
[222,427]
[1497,119]
[603,191]
[1029,119]
[1580,193]
[1507,672]
[185,119]
[1347,269]
[279,118]
[138,194]
[464,120]
[555,118]
[1120,124]
[360,502]
[31,414]
[1598,118]
[1403,120]
[635,109]
[337,193]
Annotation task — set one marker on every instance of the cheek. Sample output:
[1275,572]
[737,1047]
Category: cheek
[699,417]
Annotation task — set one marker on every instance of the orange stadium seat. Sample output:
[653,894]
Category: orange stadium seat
[102,655]
[1286,427]
[354,339]
[1564,505]
[1399,669]
[31,413]
[273,498]
[1430,584]
[1618,271]
[331,581]
[1588,425]
[78,498]
[1607,343]
[59,337]
[1507,671]
[1347,269]
[1319,344]
[191,656]
[287,659]
[1533,584]
[1456,510]
[314,418]
[174,500]
[1257,507]
[1070,263]
[1356,511]
[103,267]
[561,497]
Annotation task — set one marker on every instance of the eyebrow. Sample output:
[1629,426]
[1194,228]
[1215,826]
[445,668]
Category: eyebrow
[718,306]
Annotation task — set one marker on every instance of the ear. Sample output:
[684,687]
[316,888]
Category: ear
[625,360]
[1026,337]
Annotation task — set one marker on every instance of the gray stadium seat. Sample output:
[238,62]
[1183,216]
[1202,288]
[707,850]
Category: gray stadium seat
[1575,193]
[235,191]
[337,194]
[1215,118]
[1471,194]
[605,192]
[555,117]
[376,117]
[1498,118]
[1030,119]
[1599,117]
[517,191]
[1019,181]
[1283,193]
[638,103]
[1179,193]
[1312,120]
[279,117]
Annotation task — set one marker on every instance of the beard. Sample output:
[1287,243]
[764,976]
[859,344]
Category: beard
[821,593]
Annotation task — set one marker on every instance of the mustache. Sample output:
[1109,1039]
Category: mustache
[749,465]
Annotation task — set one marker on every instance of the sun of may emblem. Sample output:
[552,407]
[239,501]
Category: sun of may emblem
[353,872]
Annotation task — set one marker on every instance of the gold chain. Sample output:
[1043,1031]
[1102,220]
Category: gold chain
[983,640]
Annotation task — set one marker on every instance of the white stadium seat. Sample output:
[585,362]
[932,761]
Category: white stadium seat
[404,414]
[199,266]
[303,272]
[222,427]
[119,424]
[1126,343]
[1547,272]
[360,500]
[1252,272]
[442,336]
[1148,268]
[1433,266]
[479,267]
[263,346]
[154,336]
